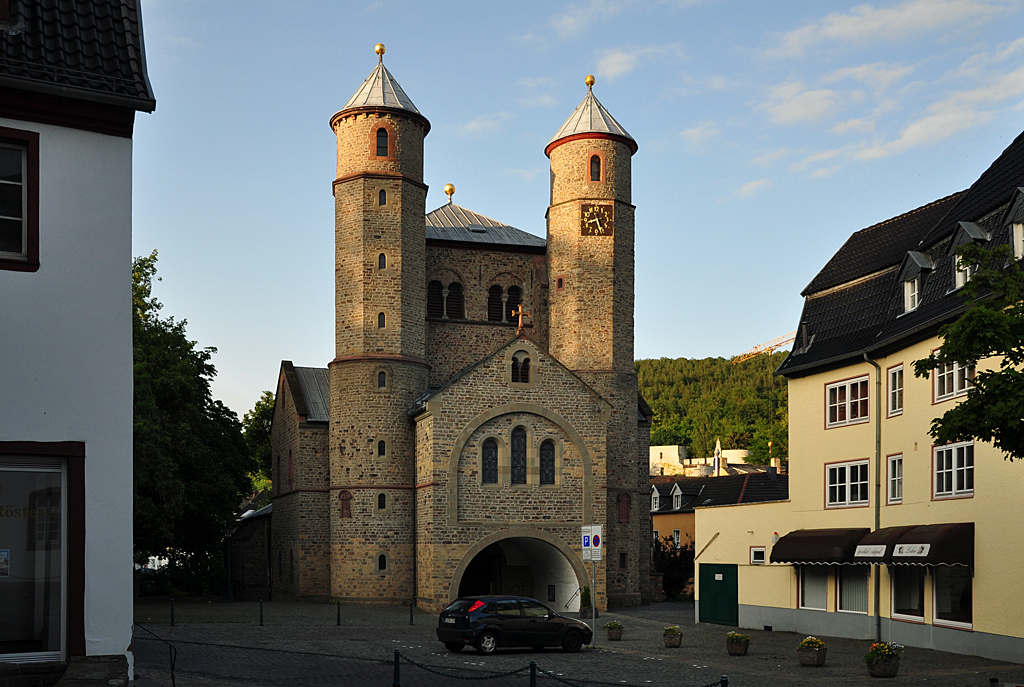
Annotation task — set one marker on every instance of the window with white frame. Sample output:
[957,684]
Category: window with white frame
[907,582]
[963,272]
[911,294]
[896,479]
[895,390]
[813,587]
[675,537]
[853,588]
[952,380]
[655,501]
[847,402]
[1018,240]
[677,500]
[954,470]
[655,536]
[953,595]
[847,484]
[757,555]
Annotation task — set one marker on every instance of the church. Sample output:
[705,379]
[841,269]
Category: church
[481,404]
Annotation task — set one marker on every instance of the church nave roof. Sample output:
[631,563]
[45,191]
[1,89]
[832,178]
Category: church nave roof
[452,222]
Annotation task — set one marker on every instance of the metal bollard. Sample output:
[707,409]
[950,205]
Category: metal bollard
[339,614]
[410,611]
[533,674]
[261,612]
[724,681]
[172,611]
[398,678]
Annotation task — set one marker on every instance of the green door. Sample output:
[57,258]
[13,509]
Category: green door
[719,594]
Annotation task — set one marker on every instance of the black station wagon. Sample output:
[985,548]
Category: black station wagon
[489,622]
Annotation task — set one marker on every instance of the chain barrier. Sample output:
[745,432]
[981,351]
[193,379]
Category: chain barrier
[173,651]
[555,677]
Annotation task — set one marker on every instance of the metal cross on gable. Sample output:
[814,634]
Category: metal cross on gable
[520,313]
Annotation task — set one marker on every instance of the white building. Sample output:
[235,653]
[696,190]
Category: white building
[69,90]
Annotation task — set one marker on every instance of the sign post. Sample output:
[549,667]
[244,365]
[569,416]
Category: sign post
[592,545]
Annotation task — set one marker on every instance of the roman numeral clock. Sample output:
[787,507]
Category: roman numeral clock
[597,220]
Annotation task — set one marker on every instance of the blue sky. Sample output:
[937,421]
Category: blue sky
[768,132]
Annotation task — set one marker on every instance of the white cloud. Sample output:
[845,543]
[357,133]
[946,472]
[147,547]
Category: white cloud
[818,157]
[866,23]
[824,172]
[526,174]
[579,17]
[879,76]
[535,83]
[618,61]
[485,123]
[860,126]
[544,100]
[771,157]
[975,65]
[697,136]
[748,190]
[792,103]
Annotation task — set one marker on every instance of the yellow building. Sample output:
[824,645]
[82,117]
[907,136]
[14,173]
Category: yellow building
[884,534]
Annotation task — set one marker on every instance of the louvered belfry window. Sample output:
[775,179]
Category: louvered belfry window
[494,309]
[382,142]
[547,462]
[454,302]
[515,297]
[490,462]
[518,456]
[435,299]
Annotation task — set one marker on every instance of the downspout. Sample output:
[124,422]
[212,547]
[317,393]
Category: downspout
[878,488]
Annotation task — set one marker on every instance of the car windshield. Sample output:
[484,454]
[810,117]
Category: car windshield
[532,608]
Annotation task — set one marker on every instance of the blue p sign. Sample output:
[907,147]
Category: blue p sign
[586,541]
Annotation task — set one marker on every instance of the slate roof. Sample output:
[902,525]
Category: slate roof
[316,392]
[855,304]
[698,492]
[590,116]
[85,49]
[381,89]
[453,222]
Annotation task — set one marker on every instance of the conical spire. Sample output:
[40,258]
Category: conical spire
[380,89]
[591,117]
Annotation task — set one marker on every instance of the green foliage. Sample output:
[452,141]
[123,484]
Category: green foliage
[672,630]
[883,649]
[256,430]
[736,637]
[585,597]
[191,463]
[613,625]
[696,402]
[675,563]
[812,643]
[991,327]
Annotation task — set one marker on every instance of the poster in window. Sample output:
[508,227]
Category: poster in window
[5,562]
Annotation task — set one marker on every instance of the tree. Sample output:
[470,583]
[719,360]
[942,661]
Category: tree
[991,327]
[191,462]
[256,430]
[675,563]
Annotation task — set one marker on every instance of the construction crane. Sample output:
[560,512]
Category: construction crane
[769,347]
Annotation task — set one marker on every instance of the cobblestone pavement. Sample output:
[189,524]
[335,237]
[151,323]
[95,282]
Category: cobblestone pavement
[300,643]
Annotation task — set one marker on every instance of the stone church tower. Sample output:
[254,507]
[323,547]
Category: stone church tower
[455,445]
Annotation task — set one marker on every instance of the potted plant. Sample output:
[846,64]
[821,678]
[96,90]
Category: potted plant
[811,652]
[672,635]
[585,602]
[883,659]
[737,644]
[614,628]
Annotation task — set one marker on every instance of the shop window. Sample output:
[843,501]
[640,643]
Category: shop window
[847,402]
[495,308]
[19,200]
[518,456]
[847,484]
[454,302]
[382,142]
[489,469]
[953,601]
[895,479]
[853,588]
[954,470]
[346,504]
[515,297]
[907,591]
[435,299]
[547,466]
[895,390]
[624,507]
[813,587]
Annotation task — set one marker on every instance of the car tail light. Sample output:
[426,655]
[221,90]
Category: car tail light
[476,606]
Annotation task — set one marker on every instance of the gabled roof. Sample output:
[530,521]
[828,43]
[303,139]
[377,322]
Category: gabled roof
[310,391]
[380,89]
[452,222]
[697,492]
[591,117]
[84,49]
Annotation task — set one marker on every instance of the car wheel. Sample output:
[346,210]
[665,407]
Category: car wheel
[487,643]
[572,642]
[454,647]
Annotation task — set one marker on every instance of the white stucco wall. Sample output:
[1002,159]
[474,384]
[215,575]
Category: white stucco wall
[66,351]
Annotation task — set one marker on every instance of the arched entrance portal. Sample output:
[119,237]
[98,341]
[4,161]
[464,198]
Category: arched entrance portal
[523,566]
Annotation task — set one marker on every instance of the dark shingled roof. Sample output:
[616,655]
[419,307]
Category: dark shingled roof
[310,391]
[697,492]
[86,49]
[452,222]
[864,311]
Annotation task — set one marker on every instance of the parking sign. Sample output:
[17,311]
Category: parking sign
[592,542]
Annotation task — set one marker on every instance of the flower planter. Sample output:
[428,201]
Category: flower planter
[811,657]
[675,640]
[737,647]
[884,666]
[614,634]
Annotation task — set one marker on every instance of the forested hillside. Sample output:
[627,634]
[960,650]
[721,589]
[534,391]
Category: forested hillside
[698,401]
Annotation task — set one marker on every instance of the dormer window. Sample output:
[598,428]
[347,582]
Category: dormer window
[655,501]
[963,272]
[1017,236]
[382,143]
[677,501]
[911,294]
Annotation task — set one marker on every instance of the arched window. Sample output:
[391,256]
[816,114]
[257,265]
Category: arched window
[382,197]
[382,501]
[382,143]
[435,299]
[382,380]
[382,260]
[624,507]
[520,368]
[490,462]
[382,449]
[380,321]
[515,297]
[382,563]
[346,504]
[547,462]
[453,306]
[595,168]
[560,284]
[518,456]
[494,307]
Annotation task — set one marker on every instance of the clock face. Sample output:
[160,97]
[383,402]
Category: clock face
[597,220]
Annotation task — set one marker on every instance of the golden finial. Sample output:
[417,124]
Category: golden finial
[379,49]
[450,190]
[589,81]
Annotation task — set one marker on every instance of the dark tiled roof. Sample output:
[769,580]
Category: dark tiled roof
[866,313]
[879,246]
[452,222]
[754,487]
[86,49]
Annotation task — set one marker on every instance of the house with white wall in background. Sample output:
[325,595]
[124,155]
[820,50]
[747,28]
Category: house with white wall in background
[72,77]
[884,534]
